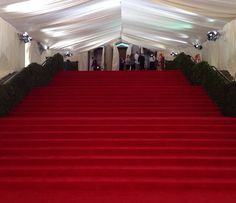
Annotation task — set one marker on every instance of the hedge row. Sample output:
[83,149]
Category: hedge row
[222,91]
[71,65]
[14,90]
[170,65]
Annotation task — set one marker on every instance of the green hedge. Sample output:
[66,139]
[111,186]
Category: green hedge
[221,90]
[170,65]
[34,75]
[184,62]
[71,65]
[230,99]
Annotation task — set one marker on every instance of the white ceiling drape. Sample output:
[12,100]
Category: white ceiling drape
[81,25]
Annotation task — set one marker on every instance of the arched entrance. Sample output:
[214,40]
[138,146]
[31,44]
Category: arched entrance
[122,48]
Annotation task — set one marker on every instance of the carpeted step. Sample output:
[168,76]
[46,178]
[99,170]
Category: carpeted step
[117,142]
[109,127]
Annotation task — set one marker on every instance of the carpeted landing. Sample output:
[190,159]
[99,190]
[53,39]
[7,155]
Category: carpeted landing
[117,137]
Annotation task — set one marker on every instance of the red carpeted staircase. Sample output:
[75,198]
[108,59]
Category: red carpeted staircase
[117,137]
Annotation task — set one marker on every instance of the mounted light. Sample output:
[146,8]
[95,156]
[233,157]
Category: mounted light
[174,54]
[24,37]
[68,54]
[213,35]
[198,46]
[42,47]
[122,45]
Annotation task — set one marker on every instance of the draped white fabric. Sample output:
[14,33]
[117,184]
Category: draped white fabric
[11,49]
[82,25]
[83,61]
[220,53]
[66,24]
[103,58]
[14,54]
[108,57]
[115,59]
[129,50]
[33,55]
[86,24]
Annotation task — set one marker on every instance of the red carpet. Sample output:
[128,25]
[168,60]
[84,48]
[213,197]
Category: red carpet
[117,137]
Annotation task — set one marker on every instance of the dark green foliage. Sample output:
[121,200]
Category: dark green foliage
[71,65]
[38,75]
[170,65]
[229,102]
[222,91]
[52,66]
[14,90]
[5,100]
[216,86]
[184,62]
[198,72]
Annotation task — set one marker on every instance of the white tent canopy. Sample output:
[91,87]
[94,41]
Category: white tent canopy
[82,25]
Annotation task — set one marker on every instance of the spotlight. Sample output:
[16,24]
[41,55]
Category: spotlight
[213,35]
[24,37]
[68,54]
[198,46]
[42,47]
[174,54]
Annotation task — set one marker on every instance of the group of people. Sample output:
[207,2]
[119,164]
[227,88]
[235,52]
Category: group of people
[137,62]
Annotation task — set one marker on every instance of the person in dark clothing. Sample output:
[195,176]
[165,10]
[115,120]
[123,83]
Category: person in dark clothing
[132,62]
[95,65]
[127,62]
[162,61]
[141,60]
[122,63]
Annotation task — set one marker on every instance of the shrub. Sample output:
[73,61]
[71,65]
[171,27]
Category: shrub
[198,72]
[228,105]
[184,62]
[14,90]
[37,74]
[222,91]
[170,65]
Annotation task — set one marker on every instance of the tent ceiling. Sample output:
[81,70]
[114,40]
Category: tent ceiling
[86,24]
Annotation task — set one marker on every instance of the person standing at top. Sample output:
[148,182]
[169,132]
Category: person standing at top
[127,63]
[122,63]
[197,58]
[94,64]
[152,62]
[136,56]
[141,60]
[132,62]
[162,61]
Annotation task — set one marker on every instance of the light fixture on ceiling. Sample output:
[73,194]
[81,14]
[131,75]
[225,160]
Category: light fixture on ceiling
[42,47]
[213,35]
[122,45]
[198,46]
[211,20]
[25,37]
[68,54]
[174,54]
